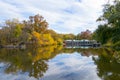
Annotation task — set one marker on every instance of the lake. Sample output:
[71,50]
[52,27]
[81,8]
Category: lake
[59,63]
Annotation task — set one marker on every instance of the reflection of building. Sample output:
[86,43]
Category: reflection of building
[85,53]
[87,43]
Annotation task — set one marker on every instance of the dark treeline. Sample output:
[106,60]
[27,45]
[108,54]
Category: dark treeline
[108,33]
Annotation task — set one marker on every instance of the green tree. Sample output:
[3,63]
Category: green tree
[111,29]
[103,34]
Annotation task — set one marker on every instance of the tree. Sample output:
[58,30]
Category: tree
[85,35]
[69,36]
[38,23]
[35,30]
[103,34]
[111,29]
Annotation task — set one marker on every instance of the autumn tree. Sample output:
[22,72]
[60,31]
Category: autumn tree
[85,35]
[38,23]
[68,36]
[32,31]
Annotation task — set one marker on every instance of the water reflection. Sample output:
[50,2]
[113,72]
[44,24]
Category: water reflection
[108,66]
[58,63]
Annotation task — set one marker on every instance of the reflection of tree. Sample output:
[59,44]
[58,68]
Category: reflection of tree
[32,60]
[35,69]
[84,52]
[42,53]
[107,66]
[38,68]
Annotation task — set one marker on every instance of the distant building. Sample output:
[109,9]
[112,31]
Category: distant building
[88,43]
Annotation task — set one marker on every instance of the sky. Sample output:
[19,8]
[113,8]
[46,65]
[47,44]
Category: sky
[63,16]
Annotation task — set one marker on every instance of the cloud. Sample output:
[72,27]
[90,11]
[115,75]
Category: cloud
[64,16]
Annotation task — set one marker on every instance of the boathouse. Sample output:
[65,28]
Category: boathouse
[89,43]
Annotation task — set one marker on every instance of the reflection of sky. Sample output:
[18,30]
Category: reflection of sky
[62,67]
[71,67]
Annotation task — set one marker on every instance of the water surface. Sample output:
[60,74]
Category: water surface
[58,63]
